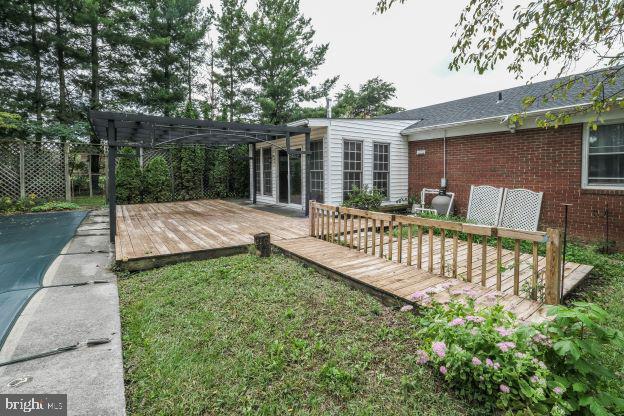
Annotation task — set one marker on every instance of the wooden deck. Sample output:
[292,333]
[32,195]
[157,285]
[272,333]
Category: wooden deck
[396,280]
[573,272]
[150,235]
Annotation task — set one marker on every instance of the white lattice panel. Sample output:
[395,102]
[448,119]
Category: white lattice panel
[44,169]
[9,169]
[484,204]
[520,209]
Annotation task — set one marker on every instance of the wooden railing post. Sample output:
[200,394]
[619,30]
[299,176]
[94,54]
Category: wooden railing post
[312,215]
[553,267]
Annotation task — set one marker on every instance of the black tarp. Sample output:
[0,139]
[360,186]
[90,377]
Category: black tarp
[29,243]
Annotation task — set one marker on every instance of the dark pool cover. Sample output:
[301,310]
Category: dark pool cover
[28,245]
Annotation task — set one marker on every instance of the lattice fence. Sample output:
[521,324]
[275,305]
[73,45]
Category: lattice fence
[43,168]
[10,169]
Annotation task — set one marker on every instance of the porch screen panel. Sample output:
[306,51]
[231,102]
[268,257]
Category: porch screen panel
[316,171]
[606,156]
[352,166]
[267,180]
[381,167]
[257,169]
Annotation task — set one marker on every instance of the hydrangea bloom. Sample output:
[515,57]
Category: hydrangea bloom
[506,346]
[443,370]
[439,348]
[489,362]
[475,319]
[558,390]
[476,361]
[503,332]
[406,308]
[535,379]
[540,338]
[418,295]
[457,322]
[423,357]
[504,388]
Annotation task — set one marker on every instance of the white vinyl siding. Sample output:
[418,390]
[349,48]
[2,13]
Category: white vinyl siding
[367,131]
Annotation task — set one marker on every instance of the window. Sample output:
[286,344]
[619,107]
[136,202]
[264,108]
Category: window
[266,171]
[381,167]
[316,170]
[257,171]
[352,166]
[603,164]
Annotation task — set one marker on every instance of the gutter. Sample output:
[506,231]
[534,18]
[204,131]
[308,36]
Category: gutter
[501,118]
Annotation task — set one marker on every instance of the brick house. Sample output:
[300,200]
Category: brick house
[469,142]
[569,164]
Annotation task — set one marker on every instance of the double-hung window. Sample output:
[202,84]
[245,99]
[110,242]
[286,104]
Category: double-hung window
[381,168]
[352,166]
[603,157]
[266,171]
[316,170]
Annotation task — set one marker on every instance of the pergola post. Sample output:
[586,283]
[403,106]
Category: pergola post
[252,147]
[112,193]
[307,174]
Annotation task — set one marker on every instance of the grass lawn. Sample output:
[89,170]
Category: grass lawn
[91,202]
[244,335]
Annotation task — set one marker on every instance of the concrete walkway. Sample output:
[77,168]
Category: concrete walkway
[92,377]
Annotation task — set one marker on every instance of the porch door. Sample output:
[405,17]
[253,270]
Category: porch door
[295,179]
[290,179]
[283,176]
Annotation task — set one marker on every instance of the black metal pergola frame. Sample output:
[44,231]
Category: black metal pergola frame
[145,131]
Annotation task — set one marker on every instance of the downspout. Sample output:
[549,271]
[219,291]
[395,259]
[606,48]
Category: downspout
[443,180]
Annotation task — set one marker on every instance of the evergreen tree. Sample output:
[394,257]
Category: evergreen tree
[128,177]
[169,41]
[283,59]
[231,59]
[156,181]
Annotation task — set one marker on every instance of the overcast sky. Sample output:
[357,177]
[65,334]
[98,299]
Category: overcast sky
[410,46]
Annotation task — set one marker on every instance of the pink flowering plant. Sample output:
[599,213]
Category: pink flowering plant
[489,357]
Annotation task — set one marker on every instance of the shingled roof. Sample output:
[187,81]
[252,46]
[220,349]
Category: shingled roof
[488,105]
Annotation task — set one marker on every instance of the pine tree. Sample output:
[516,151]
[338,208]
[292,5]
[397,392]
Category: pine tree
[169,41]
[283,59]
[231,58]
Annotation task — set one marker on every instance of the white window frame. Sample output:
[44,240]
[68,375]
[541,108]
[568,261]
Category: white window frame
[585,160]
[270,150]
[342,161]
[387,198]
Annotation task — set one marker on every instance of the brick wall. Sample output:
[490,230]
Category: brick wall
[537,159]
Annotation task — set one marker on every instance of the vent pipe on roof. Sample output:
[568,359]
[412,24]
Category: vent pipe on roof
[500,97]
[328,107]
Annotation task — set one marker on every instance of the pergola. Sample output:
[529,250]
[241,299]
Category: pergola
[144,131]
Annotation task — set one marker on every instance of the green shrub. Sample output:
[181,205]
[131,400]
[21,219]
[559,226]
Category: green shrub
[55,206]
[9,205]
[364,198]
[156,181]
[488,356]
[188,172]
[128,177]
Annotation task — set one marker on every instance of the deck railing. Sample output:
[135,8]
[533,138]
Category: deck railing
[370,232]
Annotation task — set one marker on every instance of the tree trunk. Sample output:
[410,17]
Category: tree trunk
[60,57]
[94,103]
[38,101]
